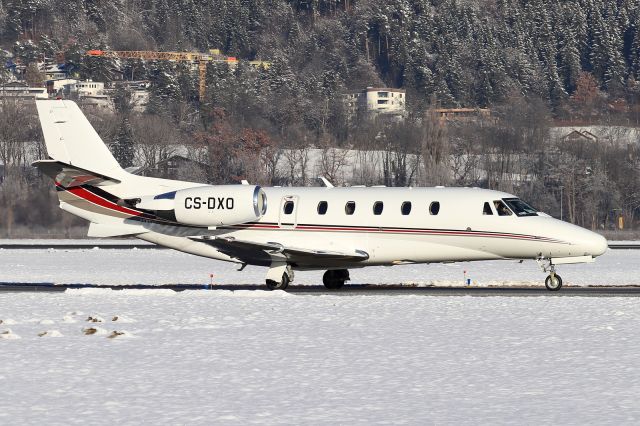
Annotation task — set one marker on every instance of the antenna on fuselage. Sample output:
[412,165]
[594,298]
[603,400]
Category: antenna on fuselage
[325,181]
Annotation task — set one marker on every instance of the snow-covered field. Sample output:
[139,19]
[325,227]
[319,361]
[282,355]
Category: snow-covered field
[243,357]
[130,266]
[220,357]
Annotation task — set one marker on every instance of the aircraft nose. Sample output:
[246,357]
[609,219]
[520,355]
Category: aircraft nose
[596,244]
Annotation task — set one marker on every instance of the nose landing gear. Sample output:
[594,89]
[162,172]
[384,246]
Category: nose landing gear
[553,282]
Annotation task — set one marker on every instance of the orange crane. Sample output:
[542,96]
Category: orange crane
[201,59]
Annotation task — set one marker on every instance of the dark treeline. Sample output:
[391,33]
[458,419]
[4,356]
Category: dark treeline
[533,63]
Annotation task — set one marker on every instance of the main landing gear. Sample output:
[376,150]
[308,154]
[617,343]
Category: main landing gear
[334,279]
[553,282]
[279,277]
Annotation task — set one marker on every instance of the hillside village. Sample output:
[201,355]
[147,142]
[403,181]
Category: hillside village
[57,81]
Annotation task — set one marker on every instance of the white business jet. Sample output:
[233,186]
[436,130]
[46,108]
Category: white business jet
[324,228]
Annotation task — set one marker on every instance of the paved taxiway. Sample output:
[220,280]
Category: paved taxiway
[360,290]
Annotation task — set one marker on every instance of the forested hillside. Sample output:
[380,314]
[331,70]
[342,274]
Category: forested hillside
[449,52]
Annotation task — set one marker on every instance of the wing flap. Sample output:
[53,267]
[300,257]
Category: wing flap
[292,253]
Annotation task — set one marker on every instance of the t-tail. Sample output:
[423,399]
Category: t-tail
[74,147]
[92,185]
[82,168]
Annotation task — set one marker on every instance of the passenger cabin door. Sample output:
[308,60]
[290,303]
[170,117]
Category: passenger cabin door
[288,212]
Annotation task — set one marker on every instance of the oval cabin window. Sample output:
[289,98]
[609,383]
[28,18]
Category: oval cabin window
[406,208]
[322,207]
[434,208]
[288,207]
[350,207]
[378,206]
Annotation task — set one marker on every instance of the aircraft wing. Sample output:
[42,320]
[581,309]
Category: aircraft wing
[245,249]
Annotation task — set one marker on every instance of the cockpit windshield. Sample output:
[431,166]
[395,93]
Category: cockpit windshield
[520,208]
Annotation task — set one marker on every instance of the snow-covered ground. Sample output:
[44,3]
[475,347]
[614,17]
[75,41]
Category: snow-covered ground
[98,356]
[220,357]
[127,266]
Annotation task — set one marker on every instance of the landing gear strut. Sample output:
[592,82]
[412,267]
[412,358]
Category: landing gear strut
[553,282]
[279,277]
[335,278]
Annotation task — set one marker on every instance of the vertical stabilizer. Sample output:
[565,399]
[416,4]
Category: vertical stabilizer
[71,139]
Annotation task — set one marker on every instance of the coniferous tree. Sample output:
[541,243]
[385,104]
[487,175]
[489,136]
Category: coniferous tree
[123,145]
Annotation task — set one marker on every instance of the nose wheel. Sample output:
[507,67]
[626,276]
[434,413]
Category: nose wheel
[553,282]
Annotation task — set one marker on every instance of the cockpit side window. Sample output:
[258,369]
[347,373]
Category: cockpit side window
[486,210]
[520,208]
[502,208]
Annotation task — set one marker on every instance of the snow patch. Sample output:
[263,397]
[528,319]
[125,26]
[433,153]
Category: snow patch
[126,292]
[277,294]
[9,335]
[8,321]
[47,322]
[50,333]
[122,334]
[122,319]
[98,331]
[68,319]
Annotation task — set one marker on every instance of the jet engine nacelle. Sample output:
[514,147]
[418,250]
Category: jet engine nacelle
[214,205]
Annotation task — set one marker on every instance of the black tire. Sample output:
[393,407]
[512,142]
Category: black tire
[334,279]
[333,284]
[282,285]
[550,285]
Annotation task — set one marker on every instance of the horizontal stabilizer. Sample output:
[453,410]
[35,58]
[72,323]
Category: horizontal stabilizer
[70,176]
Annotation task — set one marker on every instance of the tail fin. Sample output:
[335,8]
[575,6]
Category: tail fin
[70,139]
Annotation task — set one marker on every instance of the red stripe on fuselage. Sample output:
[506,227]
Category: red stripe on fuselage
[102,202]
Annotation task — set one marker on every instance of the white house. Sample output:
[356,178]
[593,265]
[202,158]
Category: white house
[140,99]
[376,100]
[97,102]
[17,89]
[87,88]
[61,84]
